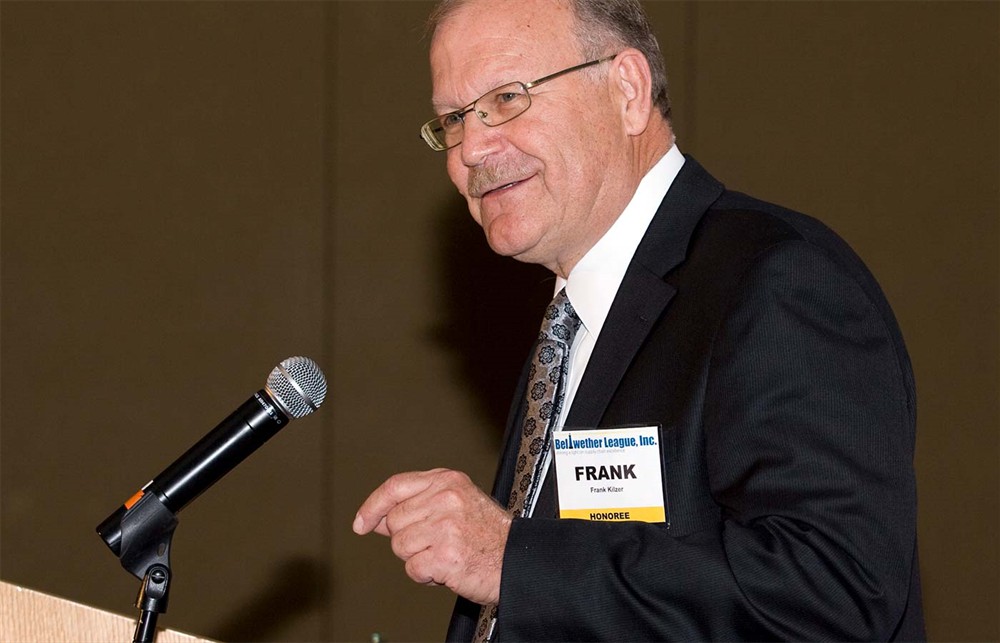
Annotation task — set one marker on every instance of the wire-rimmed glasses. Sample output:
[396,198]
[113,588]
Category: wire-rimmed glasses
[493,108]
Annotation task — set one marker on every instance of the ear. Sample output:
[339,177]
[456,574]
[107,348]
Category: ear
[631,79]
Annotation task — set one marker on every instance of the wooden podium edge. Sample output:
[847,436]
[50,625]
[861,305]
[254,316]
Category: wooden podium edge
[30,616]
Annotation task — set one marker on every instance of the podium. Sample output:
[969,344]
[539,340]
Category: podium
[27,616]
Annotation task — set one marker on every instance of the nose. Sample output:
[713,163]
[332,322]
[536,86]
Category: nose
[478,141]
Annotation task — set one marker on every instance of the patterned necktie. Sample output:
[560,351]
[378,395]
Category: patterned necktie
[542,405]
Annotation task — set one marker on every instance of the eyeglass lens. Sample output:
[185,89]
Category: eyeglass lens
[493,108]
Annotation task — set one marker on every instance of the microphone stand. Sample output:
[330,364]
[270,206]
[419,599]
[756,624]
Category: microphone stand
[152,601]
[147,529]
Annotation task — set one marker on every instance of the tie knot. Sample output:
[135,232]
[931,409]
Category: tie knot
[561,321]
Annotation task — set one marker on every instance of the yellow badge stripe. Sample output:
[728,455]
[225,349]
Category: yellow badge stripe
[642,514]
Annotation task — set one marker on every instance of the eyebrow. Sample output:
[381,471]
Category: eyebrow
[440,109]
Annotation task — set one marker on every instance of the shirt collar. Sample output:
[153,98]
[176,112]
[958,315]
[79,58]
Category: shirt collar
[594,281]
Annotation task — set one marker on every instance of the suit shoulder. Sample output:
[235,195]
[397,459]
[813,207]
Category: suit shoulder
[742,227]
[737,231]
[767,222]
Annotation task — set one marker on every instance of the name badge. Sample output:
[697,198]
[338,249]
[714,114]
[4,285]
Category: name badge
[610,474]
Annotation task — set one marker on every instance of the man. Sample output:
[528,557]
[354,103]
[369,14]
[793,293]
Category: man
[751,336]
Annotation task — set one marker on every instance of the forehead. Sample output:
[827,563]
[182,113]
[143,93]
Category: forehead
[484,44]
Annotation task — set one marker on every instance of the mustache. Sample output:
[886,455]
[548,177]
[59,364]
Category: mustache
[484,178]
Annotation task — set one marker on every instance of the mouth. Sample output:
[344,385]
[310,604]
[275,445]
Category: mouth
[501,188]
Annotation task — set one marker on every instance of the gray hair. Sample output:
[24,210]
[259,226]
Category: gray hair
[602,27]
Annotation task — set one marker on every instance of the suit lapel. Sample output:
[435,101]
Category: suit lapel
[643,294]
[633,314]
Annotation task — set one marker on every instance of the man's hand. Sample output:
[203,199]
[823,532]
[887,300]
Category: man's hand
[444,527]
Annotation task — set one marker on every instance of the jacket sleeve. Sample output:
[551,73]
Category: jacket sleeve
[807,423]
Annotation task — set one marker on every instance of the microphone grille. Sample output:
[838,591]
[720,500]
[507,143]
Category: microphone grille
[297,385]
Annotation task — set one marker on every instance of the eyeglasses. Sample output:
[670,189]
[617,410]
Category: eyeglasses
[493,108]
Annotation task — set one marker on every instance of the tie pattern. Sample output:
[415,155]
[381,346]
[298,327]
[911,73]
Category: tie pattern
[542,405]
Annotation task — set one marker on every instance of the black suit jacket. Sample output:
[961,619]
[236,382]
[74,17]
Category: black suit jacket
[764,348]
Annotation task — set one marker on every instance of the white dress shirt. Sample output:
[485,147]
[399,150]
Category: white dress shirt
[594,281]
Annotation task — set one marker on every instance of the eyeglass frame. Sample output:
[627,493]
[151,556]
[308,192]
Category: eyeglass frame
[471,107]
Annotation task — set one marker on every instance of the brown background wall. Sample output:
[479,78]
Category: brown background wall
[193,191]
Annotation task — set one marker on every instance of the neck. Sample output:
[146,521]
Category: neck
[643,152]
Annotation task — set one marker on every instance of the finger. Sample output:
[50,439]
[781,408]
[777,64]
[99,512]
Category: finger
[418,570]
[398,488]
[417,537]
[382,528]
[421,507]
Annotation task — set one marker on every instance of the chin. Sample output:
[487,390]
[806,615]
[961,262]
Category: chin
[501,246]
[512,232]
[508,243]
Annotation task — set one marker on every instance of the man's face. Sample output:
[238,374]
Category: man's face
[536,184]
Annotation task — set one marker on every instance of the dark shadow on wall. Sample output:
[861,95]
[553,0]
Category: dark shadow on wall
[297,587]
[491,311]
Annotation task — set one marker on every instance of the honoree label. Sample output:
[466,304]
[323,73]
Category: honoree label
[610,474]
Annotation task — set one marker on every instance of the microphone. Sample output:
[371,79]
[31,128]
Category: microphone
[295,388]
